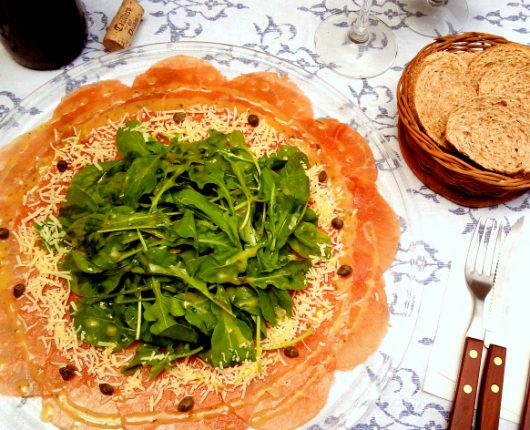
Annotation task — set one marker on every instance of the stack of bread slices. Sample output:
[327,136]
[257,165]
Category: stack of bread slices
[477,104]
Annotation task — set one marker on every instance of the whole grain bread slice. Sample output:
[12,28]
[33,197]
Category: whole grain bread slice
[498,60]
[492,131]
[468,56]
[439,84]
[511,83]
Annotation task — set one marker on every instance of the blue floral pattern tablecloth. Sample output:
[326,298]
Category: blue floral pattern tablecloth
[286,29]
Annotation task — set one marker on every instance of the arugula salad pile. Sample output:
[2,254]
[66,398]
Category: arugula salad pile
[188,248]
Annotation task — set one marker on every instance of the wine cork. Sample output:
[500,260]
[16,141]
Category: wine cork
[121,30]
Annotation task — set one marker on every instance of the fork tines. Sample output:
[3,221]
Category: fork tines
[484,250]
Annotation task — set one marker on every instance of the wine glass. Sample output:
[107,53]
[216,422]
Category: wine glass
[436,17]
[356,44]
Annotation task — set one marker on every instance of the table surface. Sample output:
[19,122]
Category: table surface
[286,29]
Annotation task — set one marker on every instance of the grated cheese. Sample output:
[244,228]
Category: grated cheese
[48,291]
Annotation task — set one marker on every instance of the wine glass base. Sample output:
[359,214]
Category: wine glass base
[428,19]
[355,60]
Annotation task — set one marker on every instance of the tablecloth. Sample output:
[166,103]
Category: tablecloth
[286,28]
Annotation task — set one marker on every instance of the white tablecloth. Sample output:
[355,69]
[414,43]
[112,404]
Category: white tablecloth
[286,29]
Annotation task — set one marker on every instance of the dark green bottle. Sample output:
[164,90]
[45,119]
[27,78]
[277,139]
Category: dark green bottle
[43,34]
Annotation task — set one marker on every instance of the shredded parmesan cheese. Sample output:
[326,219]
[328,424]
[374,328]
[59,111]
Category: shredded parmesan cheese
[48,292]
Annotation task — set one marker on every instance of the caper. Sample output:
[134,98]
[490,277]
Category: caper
[179,116]
[185,404]
[337,223]
[62,165]
[19,290]
[4,233]
[106,389]
[322,176]
[253,120]
[344,270]
[291,352]
[67,372]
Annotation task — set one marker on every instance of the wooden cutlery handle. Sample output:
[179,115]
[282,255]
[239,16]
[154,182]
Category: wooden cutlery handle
[466,389]
[489,406]
[525,417]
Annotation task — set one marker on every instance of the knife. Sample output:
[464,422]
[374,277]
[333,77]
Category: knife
[490,394]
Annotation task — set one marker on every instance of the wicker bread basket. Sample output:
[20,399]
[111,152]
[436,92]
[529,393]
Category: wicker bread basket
[451,174]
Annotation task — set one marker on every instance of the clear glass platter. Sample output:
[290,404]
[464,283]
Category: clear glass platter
[356,391]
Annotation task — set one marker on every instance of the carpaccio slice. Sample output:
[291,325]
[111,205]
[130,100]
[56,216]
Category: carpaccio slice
[290,395]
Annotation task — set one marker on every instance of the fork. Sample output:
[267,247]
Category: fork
[480,267]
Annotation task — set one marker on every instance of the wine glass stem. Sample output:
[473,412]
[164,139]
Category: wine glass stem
[358,32]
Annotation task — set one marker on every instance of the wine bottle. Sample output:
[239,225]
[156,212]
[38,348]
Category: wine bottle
[43,34]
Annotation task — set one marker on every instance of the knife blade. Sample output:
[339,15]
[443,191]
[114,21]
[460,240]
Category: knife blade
[490,394]
[501,294]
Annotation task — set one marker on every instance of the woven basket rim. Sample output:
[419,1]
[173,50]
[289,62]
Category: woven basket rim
[455,172]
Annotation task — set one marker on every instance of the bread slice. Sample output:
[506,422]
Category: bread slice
[512,83]
[498,60]
[467,56]
[439,84]
[494,132]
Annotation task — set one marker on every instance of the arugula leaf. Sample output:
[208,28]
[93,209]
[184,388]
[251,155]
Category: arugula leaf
[198,312]
[284,299]
[210,173]
[141,179]
[266,306]
[158,360]
[188,247]
[94,286]
[310,216]
[131,142]
[245,299]
[193,199]
[160,311]
[232,341]
[173,267]
[133,221]
[223,268]
[101,324]
[294,182]
[186,228]
[309,240]
[82,263]
[215,241]
[289,277]
[172,174]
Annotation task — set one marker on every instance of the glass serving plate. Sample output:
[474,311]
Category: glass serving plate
[355,391]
